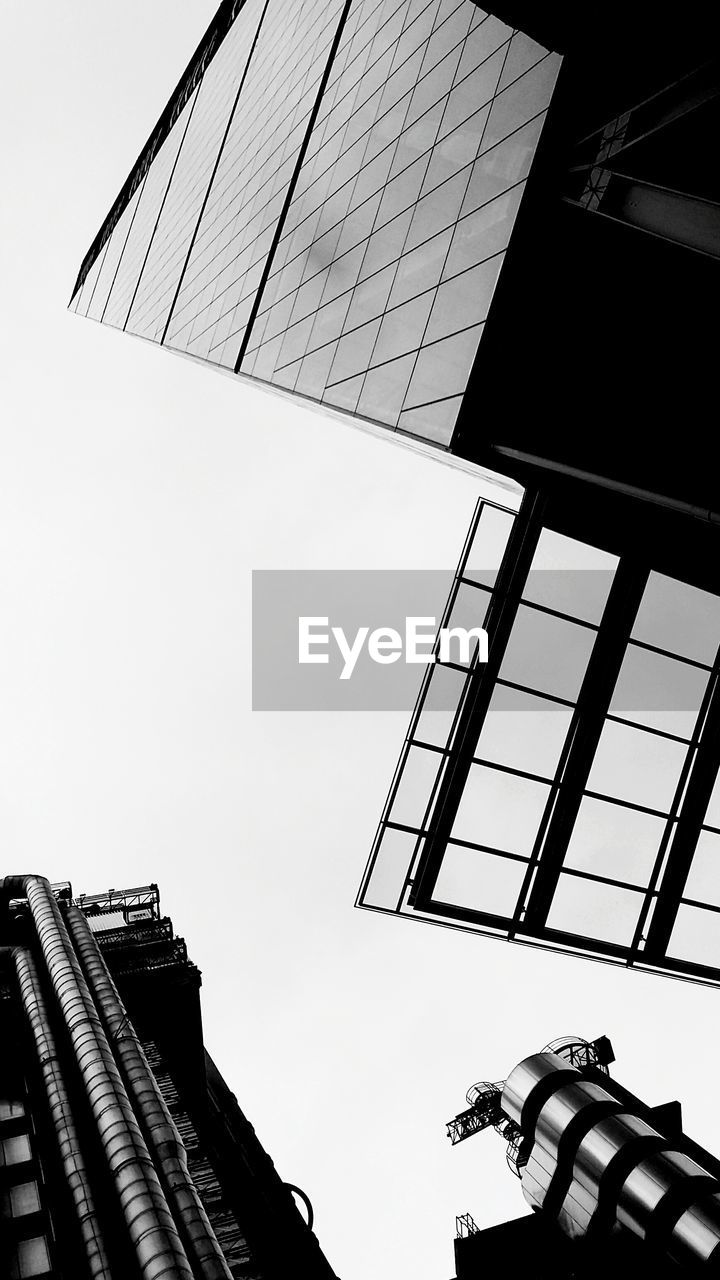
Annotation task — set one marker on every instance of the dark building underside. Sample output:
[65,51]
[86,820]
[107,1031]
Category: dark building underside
[596,374]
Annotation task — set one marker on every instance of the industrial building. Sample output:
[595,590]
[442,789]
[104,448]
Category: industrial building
[614,1185]
[124,1155]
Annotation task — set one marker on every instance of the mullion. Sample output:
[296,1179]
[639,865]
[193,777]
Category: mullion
[501,617]
[592,707]
[410,740]
[696,799]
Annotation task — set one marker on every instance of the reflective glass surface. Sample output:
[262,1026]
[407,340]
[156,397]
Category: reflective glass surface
[330,208]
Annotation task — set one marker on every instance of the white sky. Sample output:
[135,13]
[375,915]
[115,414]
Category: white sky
[137,492]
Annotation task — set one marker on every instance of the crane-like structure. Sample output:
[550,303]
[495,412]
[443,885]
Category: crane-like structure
[484,1110]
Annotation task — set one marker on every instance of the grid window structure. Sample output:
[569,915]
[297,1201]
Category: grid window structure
[330,205]
[568,796]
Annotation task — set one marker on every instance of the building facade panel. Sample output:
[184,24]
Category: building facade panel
[331,206]
[355,316]
[163,272]
[96,300]
[153,197]
[242,211]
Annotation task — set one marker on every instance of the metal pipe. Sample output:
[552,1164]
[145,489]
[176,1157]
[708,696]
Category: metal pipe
[161,1135]
[579,1132]
[157,1245]
[63,1121]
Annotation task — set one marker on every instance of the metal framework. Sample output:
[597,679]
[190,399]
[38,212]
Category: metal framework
[465,1225]
[680,815]
[606,177]
[141,903]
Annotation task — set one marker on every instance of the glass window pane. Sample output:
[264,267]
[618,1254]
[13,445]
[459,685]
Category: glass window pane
[416,782]
[442,698]
[483,233]
[523,731]
[434,421]
[419,269]
[386,244]
[679,618]
[703,882]
[314,371]
[345,394]
[352,355]
[610,840]
[522,54]
[636,766]
[394,857]
[402,190]
[469,610]
[10,1108]
[384,389]
[479,881]
[570,576]
[488,545]
[464,300]
[696,936]
[402,329]
[369,299]
[31,1258]
[445,364]
[503,167]
[659,691]
[521,101]
[482,61]
[547,653]
[437,210]
[500,810]
[22,1199]
[15,1150]
[595,910]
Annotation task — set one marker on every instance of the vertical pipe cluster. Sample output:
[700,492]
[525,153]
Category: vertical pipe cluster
[61,1115]
[158,1126]
[150,1225]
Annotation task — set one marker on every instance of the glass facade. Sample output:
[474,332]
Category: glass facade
[567,793]
[330,208]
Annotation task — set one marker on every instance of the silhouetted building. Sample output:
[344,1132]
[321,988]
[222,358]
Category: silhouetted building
[616,1187]
[123,1153]
[565,793]
[596,362]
